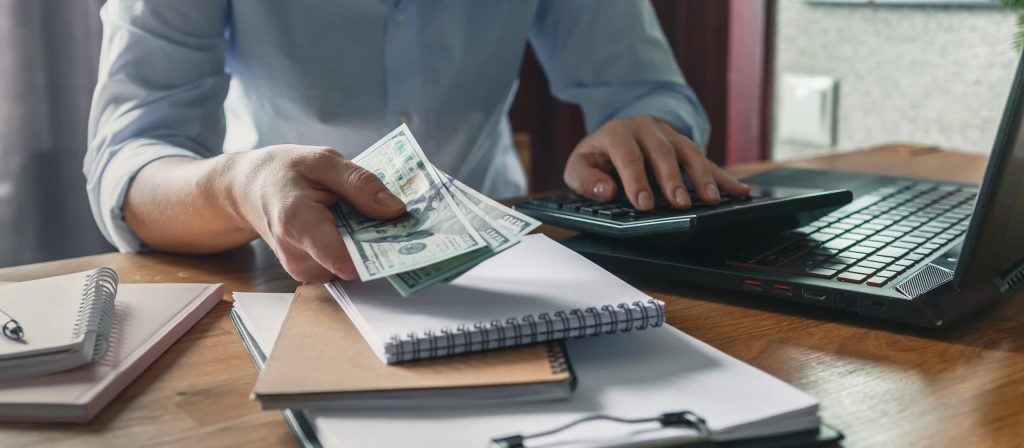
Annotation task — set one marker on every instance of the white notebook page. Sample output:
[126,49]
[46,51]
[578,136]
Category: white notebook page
[266,310]
[536,276]
[47,310]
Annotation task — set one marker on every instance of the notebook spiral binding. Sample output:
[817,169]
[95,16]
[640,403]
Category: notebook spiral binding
[529,329]
[556,358]
[96,312]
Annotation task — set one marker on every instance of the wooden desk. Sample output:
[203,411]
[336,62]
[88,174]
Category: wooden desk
[882,384]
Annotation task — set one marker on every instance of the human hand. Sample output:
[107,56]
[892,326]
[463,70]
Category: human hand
[283,192]
[625,145]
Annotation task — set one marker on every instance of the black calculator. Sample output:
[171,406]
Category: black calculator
[619,219]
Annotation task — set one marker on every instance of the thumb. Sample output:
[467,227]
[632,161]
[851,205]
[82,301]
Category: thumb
[588,180]
[359,187]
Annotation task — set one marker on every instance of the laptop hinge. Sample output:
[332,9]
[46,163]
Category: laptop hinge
[1011,277]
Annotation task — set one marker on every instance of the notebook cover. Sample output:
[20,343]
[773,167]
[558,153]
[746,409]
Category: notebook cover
[48,309]
[148,318]
[320,351]
[535,291]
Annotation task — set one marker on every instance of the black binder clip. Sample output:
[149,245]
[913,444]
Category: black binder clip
[669,419]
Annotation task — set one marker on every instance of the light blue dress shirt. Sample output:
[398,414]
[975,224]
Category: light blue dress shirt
[195,78]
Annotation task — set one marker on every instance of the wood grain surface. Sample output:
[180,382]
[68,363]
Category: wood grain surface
[883,384]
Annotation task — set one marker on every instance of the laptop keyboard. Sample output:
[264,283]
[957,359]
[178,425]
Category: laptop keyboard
[872,240]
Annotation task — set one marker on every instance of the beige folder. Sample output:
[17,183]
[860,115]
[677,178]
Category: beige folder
[320,360]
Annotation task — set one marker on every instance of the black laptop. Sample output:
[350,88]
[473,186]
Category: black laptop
[909,250]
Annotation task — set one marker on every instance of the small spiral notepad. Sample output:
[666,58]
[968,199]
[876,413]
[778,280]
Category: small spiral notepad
[96,312]
[67,322]
[122,340]
[534,292]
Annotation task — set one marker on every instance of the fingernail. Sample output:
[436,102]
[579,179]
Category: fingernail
[643,200]
[681,197]
[349,274]
[713,191]
[599,189]
[388,201]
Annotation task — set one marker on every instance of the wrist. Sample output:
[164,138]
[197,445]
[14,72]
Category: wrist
[224,185]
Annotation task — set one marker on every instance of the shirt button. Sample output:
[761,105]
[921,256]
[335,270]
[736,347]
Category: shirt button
[405,119]
[399,18]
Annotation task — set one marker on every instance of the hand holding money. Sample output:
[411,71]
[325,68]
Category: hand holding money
[447,229]
[284,195]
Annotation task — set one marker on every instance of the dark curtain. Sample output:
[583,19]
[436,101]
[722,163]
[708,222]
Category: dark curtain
[48,61]
[697,30]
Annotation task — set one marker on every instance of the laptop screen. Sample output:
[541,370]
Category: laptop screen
[994,245]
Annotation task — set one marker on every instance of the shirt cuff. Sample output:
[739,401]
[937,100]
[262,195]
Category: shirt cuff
[118,175]
[677,110]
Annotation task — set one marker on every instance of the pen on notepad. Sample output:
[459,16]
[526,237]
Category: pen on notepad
[12,329]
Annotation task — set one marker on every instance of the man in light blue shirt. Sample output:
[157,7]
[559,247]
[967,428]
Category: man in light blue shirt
[188,87]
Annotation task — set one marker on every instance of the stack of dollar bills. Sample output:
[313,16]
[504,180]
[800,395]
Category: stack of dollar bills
[448,227]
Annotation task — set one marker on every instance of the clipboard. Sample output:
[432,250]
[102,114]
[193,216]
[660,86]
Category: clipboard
[824,435]
[305,434]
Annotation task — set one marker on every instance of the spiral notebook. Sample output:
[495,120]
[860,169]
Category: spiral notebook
[147,319]
[66,319]
[320,361]
[533,292]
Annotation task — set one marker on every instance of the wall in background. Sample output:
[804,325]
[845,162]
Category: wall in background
[928,75]
[48,55]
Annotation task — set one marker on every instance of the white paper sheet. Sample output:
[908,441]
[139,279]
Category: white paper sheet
[47,310]
[263,314]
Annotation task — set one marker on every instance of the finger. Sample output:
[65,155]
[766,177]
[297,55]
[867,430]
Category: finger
[305,232]
[323,243]
[628,159]
[696,166]
[301,266]
[354,184]
[729,183]
[662,157]
[587,174]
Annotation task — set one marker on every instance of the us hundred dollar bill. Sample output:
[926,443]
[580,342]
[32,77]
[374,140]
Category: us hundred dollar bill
[498,238]
[432,229]
[512,220]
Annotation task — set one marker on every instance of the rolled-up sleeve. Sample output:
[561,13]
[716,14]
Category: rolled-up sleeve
[611,58]
[160,93]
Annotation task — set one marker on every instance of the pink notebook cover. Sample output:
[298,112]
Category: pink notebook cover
[148,318]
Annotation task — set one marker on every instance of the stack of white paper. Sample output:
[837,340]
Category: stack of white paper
[628,375]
